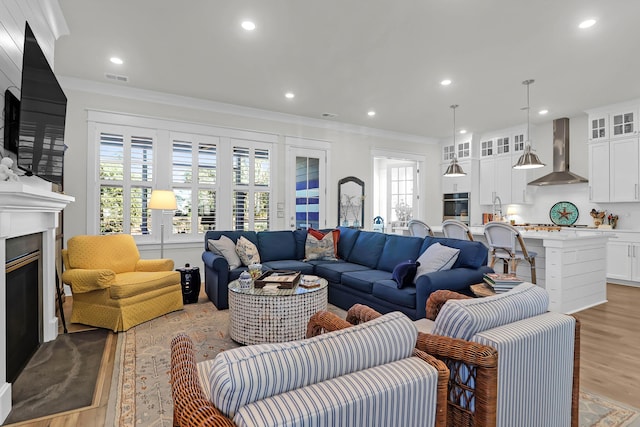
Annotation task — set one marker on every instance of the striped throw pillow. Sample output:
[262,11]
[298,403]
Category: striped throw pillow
[465,318]
[248,374]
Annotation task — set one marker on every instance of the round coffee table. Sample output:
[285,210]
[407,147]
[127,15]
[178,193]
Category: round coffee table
[269,314]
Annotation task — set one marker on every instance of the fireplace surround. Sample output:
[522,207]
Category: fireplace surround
[29,209]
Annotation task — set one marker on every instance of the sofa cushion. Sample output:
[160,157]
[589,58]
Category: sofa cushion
[320,248]
[398,249]
[387,290]
[405,272]
[367,249]
[437,257]
[289,264]
[472,254]
[141,282]
[401,393]
[247,374]
[363,280]
[276,245]
[465,318]
[348,237]
[300,237]
[225,247]
[332,271]
[247,251]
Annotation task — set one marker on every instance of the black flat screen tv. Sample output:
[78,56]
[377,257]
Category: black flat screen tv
[43,109]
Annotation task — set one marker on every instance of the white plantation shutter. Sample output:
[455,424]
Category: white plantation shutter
[251,187]
[126,162]
[194,176]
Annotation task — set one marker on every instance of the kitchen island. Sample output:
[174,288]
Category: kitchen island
[571,265]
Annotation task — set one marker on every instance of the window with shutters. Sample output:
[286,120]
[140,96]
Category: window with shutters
[126,175]
[194,178]
[222,178]
[251,181]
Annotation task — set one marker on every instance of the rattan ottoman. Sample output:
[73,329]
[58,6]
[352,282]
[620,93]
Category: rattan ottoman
[273,315]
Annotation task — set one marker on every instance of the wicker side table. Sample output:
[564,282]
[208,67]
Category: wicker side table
[272,315]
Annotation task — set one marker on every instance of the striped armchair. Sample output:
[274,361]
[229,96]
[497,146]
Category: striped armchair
[511,362]
[345,376]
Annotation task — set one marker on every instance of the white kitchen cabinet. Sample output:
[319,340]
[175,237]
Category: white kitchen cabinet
[599,172]
[457,184]
[495,180]
[624,170]
[623,123]
[598,127]
[623,260]
[462,150]
[519,180]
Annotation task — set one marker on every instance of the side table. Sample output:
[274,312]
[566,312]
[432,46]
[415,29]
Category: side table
[269,314]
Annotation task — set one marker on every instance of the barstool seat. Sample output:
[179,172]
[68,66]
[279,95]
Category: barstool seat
[455,229]
[505,243]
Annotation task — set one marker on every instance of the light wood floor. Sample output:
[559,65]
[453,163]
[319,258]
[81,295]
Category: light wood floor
[610,357]
[610,346]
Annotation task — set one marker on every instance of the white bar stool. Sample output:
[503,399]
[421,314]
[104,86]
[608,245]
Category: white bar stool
[455,229]
[419,229]
[502,239]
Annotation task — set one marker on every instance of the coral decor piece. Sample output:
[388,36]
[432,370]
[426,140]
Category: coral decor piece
[6,173]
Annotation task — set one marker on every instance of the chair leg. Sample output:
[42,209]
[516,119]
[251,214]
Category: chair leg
[532,261]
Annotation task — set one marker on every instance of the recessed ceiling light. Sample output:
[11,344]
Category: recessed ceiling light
[587,23]
[463,131]
[371,113]
[116,60]
[543,112]
[248,25]
[290,95]
[445,82]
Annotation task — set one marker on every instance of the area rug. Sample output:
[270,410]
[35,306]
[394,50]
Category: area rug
[142,380]
[63,375]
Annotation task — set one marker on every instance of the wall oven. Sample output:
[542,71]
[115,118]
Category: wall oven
[456,206]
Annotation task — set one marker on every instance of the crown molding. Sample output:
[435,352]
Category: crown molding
[73,83]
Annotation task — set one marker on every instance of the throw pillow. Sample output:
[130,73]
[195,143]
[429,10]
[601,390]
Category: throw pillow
[247,251]
[225,247]
[437,257]
[319,235]
[323,248]
[405,272]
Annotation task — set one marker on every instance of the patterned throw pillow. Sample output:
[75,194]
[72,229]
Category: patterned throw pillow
[225,247]
[247,251]
[319,235]
[323,248]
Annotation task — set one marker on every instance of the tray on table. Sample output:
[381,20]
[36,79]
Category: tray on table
[285,279]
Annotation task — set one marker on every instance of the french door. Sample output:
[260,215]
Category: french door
[306,188]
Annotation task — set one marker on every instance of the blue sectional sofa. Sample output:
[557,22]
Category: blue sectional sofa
[362,274]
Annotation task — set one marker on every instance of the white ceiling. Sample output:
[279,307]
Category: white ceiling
[349,56]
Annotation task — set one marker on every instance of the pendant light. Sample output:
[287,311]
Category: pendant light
[529,159]
[454,168]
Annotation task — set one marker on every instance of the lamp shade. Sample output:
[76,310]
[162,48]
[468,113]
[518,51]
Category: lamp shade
[528,160]
[454,169]
[163,199]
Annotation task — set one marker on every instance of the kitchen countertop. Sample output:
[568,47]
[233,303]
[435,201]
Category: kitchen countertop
[566,233]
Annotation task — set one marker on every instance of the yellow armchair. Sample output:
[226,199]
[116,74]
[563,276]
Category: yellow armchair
[112,287]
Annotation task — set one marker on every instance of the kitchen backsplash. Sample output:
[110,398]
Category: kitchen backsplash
[545,197]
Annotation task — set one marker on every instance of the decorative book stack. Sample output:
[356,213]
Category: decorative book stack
[501,282]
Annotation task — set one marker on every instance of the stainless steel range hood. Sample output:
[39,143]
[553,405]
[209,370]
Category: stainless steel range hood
[561,173]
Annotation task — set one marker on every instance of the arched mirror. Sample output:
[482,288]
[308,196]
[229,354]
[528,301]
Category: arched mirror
[351,202]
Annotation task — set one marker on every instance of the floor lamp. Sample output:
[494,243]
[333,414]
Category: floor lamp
[162,200]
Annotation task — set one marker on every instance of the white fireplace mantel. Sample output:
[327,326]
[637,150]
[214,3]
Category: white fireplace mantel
[28,208]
